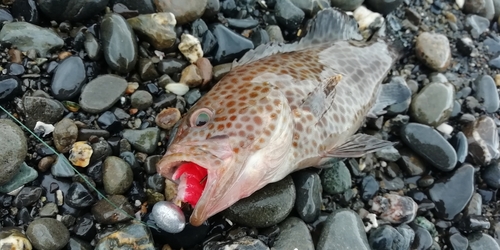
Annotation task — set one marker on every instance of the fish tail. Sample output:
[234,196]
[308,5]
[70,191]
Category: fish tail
[329,25]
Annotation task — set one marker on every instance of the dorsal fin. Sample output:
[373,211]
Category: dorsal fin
[328,26]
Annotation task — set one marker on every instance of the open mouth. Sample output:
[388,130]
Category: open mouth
[192,179]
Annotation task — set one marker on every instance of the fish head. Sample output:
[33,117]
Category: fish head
[240,136]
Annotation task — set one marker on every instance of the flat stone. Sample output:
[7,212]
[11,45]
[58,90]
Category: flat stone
[343,229]
[26,36]
[102,93]
[13,150]
[267,206]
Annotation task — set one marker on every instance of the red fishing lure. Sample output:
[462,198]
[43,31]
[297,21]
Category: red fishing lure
[192,182]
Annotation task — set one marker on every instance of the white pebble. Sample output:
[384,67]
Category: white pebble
[445,129]
[177,88]
[373,223]
[365,17]
[46,128]
[190,47]
[460,3]
[168,217]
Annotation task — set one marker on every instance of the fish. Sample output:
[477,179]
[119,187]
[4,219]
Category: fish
[282,108]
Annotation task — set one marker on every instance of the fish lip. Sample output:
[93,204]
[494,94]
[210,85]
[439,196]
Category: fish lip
[169,164]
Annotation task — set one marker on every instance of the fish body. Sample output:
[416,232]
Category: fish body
[280,109]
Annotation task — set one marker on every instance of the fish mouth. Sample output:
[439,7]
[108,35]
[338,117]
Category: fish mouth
[192,177]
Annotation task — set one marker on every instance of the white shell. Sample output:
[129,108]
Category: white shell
[168,217]
[177,88]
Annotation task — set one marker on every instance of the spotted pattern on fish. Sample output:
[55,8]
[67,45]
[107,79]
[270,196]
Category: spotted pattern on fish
[277,113]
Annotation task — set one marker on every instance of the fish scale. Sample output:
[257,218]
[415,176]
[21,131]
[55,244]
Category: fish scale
[282,108]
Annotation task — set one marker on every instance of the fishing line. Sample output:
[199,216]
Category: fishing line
[61,156]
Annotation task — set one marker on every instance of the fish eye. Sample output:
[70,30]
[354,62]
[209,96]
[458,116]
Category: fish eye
[200,117]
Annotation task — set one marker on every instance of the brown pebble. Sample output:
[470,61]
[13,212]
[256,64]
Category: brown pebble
[131,87]
[15,56]
[497,80]
[65,54]
[45,163]
[191,76]
[133,111]
[205,68]
[167,118]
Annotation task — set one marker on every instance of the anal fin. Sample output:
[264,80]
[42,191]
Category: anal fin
[357,146]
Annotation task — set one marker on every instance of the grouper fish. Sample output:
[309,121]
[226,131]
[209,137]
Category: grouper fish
[282,108]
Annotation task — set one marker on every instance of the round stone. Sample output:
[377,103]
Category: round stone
[47,234]
[13,149]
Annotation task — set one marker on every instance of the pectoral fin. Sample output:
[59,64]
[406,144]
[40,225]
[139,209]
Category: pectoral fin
[357,146]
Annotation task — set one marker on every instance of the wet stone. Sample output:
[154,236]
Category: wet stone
[62,167]
[117,175]
[26,174]
[76,243]
[185,11]
[15,69]
[476,25]
[452,194]
[485,90]
[343,229]
[459,142]
[433,50]
[26,36]
[383,7]
[78,196]
[423,239]
[65,134]
[458,241]
[68,78]
[475,205]
[47,234]
[73,10]
[131,236]
[10,87]
[430,145]
[294,234]
[491,174]
[92,47]
[171,65]
[142,6]
[288,15]
[49,210]
[102,93]
[41,109]
[395,208]
[481,241]
[105,213]
[116,30]
[144,140]
[386,237]
[167,118]
[369,187]
[308,198]
[267,206]
[110,122]
[473,223]
[482,136]
[157,28]
[433,104]
[13,150]
[336,179]
[231,44]
[191,76]
[27,196]
[141,99]
[147,69]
